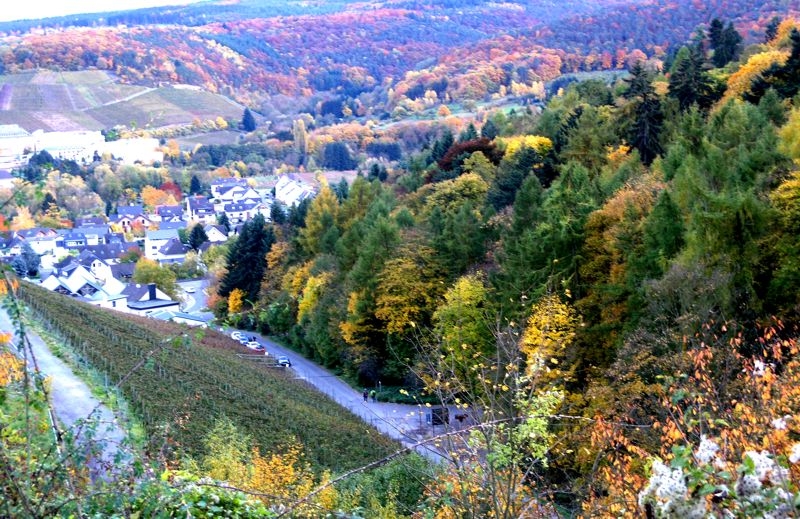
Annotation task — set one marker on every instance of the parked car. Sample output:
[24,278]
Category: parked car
[283,361]
[255,345]
[236,335]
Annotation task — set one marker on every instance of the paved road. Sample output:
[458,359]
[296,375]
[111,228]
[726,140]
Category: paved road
[73,401]
[402,422]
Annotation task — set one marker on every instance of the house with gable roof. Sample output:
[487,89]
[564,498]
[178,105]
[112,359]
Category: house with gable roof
[224,185]
[216,233]
[111,253]
[200,209]
[72,239]
[89,261]
[155,240]
[290,191]
[128,216]
[76,281]
[239,212]
[91,221]
[148,299]
[168,213]
[94,235]
[41,239]
[174,251]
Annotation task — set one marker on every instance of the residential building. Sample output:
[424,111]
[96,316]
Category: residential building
[200,209]
[155,240]
[16,146]
[148,299]
[292,191]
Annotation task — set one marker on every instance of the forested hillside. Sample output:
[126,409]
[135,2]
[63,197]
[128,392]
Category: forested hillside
[625,259]
[601,286]
[369,55]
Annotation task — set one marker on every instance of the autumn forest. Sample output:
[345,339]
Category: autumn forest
[577,223]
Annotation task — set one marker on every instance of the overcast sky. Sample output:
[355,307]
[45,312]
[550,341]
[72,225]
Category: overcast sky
[29,9]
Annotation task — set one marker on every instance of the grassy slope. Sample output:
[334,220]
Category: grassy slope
[187,386]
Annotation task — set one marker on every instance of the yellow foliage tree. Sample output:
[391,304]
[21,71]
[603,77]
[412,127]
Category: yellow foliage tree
[10,368]
[740,81]
[22,220]
[550,330]
[152,197]
[542,145]
[790,136]
[311,292]
[279,479]
[235,301]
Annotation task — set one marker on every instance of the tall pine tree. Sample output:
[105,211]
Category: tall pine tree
[246,260]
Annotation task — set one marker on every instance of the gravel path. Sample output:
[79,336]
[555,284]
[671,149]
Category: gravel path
[73,402]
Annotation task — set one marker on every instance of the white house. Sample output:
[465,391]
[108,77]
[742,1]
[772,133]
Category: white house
[172,252]
[223,185]
[216,233]
[41,239]
[291,192]
[199,209]
[155,240]
[81,284]
[16,146]
[80,146]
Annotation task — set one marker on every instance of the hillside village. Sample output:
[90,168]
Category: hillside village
[86,261]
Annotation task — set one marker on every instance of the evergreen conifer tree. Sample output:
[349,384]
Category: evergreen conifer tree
[248,121]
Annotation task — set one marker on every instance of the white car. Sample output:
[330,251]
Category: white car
[236,335]
[191,290]
[254,345]
[283,361]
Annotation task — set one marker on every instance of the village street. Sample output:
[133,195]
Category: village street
[405,423]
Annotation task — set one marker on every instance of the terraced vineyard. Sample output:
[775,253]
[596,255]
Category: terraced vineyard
[188,383]
[93,100]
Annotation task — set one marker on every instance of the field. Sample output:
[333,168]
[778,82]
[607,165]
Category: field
[188,381]
[93,100]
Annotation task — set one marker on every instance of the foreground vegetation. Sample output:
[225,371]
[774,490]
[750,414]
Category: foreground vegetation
[189,380]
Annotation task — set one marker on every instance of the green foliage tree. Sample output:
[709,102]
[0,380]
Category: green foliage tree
[195,187]
[489,130]
[336,155]
[726,42]
[644,133]
[248,121]
[771,30]
[197,237]
[246,260]
[469,133]
[688,82]
[149,271]
[27,262]
[222,220]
